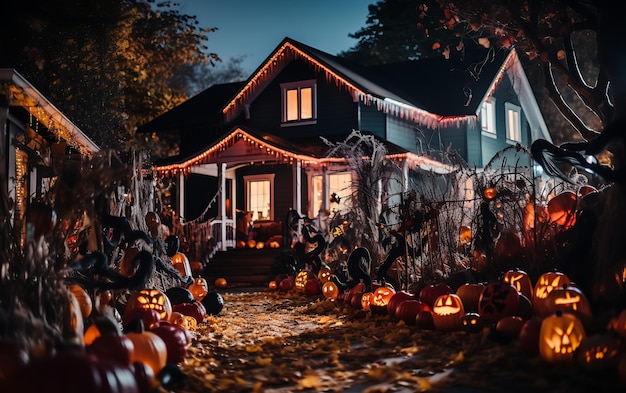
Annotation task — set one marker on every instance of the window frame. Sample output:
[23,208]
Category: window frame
[510,137]
[318,199]
[298,86]
[261,177]
[488,118]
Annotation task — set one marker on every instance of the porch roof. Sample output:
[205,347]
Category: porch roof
[276,149]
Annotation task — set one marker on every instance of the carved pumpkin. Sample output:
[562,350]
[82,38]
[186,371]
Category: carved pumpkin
[366,300]
[447,312]
[324,274]
[498,300]
[569,298]
[199,288]
[560,335]
[152,299]
[599,352]
[465,235]
[520,280]
[301,278]
[544,285]
[431,292]
[490,193]
[193,309]
[181,263]
[471,322]
[330,290]
[382,295]
[272,285]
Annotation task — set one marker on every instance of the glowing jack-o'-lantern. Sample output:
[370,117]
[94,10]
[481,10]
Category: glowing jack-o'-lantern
[301,278]
[448,311]
[382,295]
[465,235]
[199,288]
[520,280]
[560,335]
[330,290]
[545,284]
[324,274]
[471,322]
[181,263]
[366,300]
[599,352]
[273,285]
[151,299]
[569,298]
[498,300]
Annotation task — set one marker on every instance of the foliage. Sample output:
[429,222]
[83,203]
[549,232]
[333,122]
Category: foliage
[109,65]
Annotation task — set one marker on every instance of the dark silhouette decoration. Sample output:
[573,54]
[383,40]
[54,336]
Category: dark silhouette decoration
[313,257]
[359,257]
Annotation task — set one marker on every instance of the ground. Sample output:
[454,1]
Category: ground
[270,341]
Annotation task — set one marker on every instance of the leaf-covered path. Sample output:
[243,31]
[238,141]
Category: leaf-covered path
[266,341]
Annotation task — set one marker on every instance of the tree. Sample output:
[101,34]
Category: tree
[110,65]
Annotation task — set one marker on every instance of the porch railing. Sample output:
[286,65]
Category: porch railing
[223,242]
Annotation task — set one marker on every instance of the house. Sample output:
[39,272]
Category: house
[35,138]
[256,146]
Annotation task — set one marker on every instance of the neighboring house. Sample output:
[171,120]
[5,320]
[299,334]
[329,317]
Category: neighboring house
[35,138]
[255,146]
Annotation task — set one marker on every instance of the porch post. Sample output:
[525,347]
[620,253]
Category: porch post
[405,175]
[222,206]
[297,186]
[180,195]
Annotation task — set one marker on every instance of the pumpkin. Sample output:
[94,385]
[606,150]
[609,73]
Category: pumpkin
[408,309]
[197,267]
[396,299]
[115,347]
[618,324]
[312,287]
[520,280]
[181,263]
[149,348]
[286,284]
[199,288]
[220,282]
[382,295]
[510,326]
[147,315]
[465,235]
[330,290]
[424,320]
[74,327]
[150,298]
[447,312]
[498,300]
[272,285]
[490,193]
[560,336]
[529,336]
[431,292]
[562,209]
[599,352]
[545,284]
[470,294]
[84,300]
[324,274]
[301,278]
[178,295]
[193,309]
[213,302]
[471,322]
[366,300]
[569,298]
[175,340]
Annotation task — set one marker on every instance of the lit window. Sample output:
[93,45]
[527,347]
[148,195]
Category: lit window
[299,102]
[488,117]
[260,196]
[339,184]
[513,123]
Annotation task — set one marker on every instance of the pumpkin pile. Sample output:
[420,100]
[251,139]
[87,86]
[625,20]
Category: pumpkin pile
[551,319]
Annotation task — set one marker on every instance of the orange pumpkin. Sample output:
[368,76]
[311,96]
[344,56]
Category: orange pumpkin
[382,295]
[562,209]
[545,284]
[520,280]
[301,278]
[447,312]
[83,299]
[199,288]
[181,263]
[470,294]
[151,299]
[560,336]
[330,290]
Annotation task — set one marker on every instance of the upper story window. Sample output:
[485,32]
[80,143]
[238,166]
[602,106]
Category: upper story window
[488,117]
[513,123]
[299,102]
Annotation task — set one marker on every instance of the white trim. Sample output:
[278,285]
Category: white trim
[509,107]
[261,177]
[488,118]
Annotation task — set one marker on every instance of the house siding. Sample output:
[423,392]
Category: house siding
[372,120]
[337,113]
[402,133]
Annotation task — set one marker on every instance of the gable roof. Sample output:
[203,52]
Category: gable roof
[199,111]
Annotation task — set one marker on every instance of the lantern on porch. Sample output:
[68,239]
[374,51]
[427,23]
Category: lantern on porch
[181,263]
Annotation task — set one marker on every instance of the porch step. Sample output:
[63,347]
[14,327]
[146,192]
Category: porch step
[243,266]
